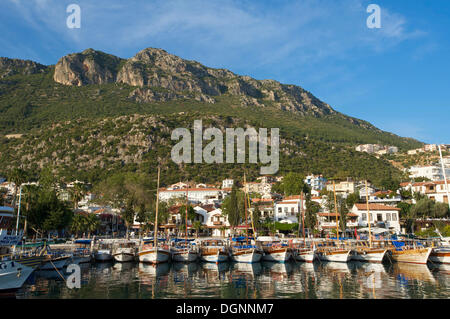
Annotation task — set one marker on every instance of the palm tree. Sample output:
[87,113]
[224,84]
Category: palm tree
[77,192]
[93,223]
[197,226]
[18,177]
[79,224]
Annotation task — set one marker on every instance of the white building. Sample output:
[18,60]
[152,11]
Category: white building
[195,195]
[385,197]
[378,214]
[342,188]
[432,172]
[287,210]
[435,190]
[227,183]
[316,182]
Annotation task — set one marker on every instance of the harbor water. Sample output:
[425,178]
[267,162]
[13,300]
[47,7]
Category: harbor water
[353,280]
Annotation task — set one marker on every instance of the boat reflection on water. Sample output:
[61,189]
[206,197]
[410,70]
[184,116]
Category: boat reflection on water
[185,269]
[214,272]
[151,271]
[249,270]
[407,272]
[336,267]
[278,271]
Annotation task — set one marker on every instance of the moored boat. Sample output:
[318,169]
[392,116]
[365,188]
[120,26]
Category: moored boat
[103,251]
[124,251]
[213,250]
[414,254]
[244,252]
[440,255]
[184,251]
[153,254]
[274,249]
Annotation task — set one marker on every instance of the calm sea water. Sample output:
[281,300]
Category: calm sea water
[234,280]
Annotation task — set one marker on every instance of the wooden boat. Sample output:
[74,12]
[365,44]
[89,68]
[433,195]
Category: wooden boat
[124,251]
[183,251]
[245,252]
[274,249]
[154,254]
[303,252]
[103,251]
[333,252]
[15,267]
[440,255]
[411,253]
[214,250]
[82,253]
[364,252]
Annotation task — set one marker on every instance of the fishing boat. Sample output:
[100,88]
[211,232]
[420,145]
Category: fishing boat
[304,254]
[213,250]
[414,253]
[103,251]
[15,267]
[244,252]
[334,255]
[364,252]
[274,249]
[124,251]
[154,254]
[157,251]
[183,250]
[56,259]
[440,255]
[82,253]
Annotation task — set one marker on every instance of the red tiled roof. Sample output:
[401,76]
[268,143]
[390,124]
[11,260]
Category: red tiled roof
[334,215]
[184,190]
[375,207]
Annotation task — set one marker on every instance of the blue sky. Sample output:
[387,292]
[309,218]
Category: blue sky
[396,77]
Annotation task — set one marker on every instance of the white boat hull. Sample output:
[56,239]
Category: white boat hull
[280,256]
[375,256]
[305,256]
[103,256]
[215,258]
[154,256]
[335,256]
[124,257]
[184,256]
[412,256]
[13,275]
[252,256]
[440,256]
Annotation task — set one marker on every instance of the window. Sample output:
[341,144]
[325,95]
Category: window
[364,216]
[279,209]
[388,217]
[394,216]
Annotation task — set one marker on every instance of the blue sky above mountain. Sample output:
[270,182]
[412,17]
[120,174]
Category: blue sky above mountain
[395,77]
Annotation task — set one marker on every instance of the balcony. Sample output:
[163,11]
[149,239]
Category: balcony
[217,223]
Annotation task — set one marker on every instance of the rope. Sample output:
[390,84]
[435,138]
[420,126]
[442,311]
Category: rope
[58,271]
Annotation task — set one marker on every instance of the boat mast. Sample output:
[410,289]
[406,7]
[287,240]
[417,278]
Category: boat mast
[445,177]
[335,208]
[251,217]
[368,215]
[245,207]
[187,203]
[155,231]
[303,218]
[18,211]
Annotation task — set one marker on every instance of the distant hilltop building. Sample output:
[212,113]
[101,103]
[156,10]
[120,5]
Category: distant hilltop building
[377,148]
[429,148]
[432,172]
[316,182]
